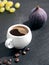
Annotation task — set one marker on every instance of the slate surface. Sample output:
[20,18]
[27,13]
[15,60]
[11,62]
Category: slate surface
[39,46]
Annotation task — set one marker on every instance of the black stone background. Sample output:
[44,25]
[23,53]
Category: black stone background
[39,46]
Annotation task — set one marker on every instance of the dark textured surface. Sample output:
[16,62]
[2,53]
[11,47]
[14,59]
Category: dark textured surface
[39,47]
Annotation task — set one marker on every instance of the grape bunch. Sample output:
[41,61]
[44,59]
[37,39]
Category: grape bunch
[8,6]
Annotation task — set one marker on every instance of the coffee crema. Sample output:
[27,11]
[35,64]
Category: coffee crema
[19,31]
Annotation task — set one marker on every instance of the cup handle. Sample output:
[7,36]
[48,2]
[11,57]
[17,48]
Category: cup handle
[8,43]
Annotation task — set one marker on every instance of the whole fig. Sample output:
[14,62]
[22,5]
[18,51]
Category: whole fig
[37,17]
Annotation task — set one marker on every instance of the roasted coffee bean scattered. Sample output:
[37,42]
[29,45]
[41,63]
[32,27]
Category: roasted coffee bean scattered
[17,55]
[24,53]
[8,63]
[16,60]
[27,49]
[5,61]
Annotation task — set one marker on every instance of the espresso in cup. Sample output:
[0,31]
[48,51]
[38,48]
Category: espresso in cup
[18,36]
[19,31]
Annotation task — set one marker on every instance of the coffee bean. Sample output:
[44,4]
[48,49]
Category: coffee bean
[16,60]
[8,63]
[27,49]
[24,53]
[10,60]
[5,61]
[17,55]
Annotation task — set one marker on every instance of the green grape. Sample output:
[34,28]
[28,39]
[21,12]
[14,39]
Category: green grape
[7,8]
[2,9]
[5,1]
[9,3]
[1,4]
[17,5]
[12,10]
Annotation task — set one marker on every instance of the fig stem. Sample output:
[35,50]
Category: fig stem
[37,7]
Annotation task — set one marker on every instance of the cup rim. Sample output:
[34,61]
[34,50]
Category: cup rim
[11,27]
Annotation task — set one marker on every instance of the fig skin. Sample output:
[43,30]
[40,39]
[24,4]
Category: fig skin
[37,18]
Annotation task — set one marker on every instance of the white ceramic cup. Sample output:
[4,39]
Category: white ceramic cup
[18,42]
